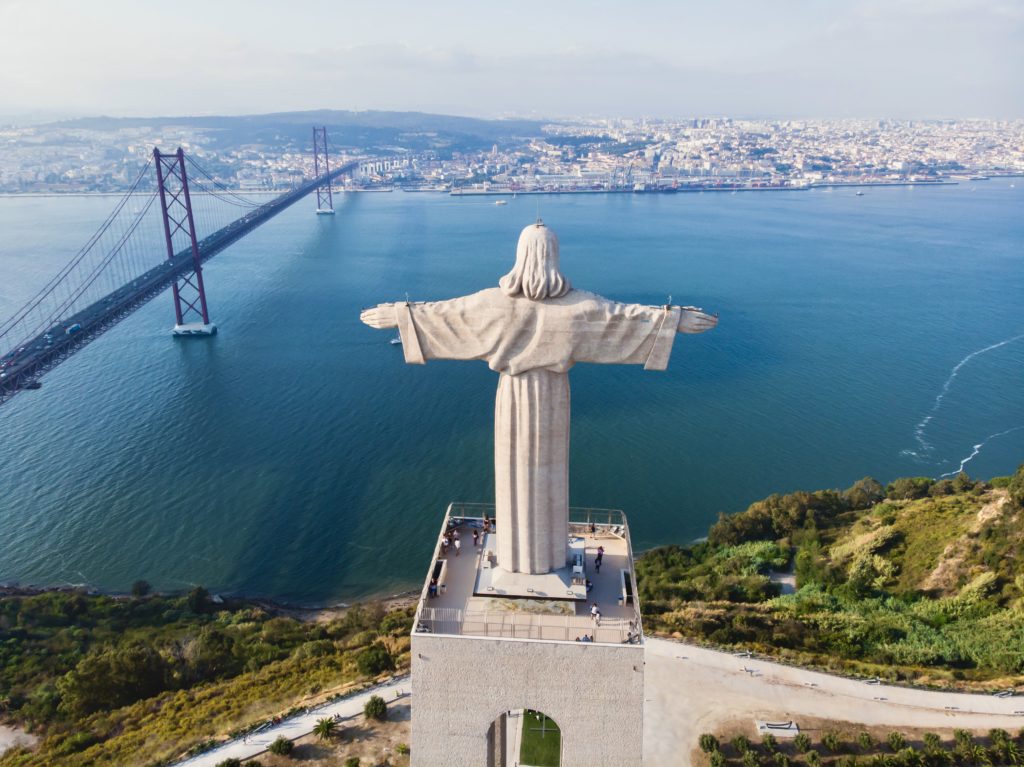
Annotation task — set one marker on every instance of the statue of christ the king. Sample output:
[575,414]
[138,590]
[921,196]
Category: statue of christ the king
[532,329]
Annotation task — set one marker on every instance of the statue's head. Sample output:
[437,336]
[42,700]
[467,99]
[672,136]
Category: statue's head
[536,275]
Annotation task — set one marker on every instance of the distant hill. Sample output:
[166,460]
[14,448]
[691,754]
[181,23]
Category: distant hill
[920,581]
[415,131]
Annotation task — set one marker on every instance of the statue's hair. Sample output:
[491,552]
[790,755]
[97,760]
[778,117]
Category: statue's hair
[536,275]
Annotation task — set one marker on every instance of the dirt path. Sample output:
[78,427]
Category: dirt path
[691,690]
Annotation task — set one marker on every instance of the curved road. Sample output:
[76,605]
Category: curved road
[691,690]
[300,724]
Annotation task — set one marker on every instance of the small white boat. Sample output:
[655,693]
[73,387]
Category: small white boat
[860,194]
[501,202]
[396,341]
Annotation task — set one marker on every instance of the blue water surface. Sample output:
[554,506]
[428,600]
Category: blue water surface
[296,456]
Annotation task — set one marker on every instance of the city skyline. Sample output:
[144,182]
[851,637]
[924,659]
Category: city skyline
[905,59]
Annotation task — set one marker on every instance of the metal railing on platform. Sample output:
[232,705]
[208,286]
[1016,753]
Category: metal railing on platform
[515,625]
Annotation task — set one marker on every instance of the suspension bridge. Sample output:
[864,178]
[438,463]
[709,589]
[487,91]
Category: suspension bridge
[174,218]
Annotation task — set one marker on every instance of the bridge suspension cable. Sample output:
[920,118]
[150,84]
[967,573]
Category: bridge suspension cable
[9,335]
[140,250]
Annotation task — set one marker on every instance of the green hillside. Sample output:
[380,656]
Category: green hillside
[919,581]
[140,681]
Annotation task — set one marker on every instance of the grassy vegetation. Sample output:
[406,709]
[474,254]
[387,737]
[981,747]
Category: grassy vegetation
[919,581]
[844,749]
[541,744]
[107,681]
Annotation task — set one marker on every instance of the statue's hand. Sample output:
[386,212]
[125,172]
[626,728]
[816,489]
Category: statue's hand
[694,320]
[380,317]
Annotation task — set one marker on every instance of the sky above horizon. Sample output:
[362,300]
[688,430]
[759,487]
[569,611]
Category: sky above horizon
[790,58]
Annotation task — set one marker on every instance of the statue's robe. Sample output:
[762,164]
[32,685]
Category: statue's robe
[533,345]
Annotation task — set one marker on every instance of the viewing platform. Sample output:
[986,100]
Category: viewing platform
[473,596]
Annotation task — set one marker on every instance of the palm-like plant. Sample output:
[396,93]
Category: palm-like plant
[975,753]
[1011,753]
[324,728]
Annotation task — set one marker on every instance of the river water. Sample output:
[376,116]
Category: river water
[296,456]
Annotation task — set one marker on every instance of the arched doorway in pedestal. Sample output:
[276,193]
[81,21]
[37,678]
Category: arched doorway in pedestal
[524,738]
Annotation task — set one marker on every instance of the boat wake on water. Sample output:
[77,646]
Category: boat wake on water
[977,449]
[924,447]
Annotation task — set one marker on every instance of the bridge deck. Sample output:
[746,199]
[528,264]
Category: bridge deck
[53,346]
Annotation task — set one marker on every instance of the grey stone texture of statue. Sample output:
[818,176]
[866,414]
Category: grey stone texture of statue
[532,329]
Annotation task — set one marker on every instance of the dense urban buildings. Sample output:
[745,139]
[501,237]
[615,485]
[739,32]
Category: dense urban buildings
[579,156]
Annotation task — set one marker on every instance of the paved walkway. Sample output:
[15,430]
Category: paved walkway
[300,724]
[690,690]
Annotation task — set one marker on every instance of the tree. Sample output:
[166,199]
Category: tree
[802,743]
[375,660]
[213,655]
[324,728]
[281,747]
[141,589]
[111,678]
[197,599]
[908,488]
[229,762]
[864,493]
[769,742]
[376,708]
[865,741]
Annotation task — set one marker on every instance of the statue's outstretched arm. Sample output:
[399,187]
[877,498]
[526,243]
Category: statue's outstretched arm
[695,320]
[380,317]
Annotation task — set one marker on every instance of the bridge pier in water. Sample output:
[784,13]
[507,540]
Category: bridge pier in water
[321,168]
[190,310]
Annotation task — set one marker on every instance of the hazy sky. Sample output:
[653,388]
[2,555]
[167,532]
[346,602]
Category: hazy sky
[801,58]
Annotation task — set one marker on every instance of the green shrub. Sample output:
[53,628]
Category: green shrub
[281,747]
[402,749]
[375,660]
[802,743]
[708,743]
[376,708]
[750,759]
[932,742]
[325,728]
[716,759]
[896,741]
[230,762]
[352,761]
[741,743]
[832,742]
[780,759]
[771,745]
[813,758]
[865,741]
[963,738]
[908,488]
[141,589]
